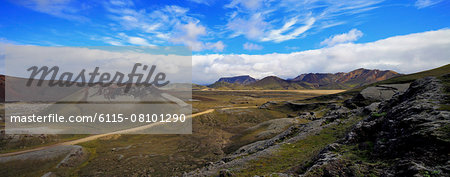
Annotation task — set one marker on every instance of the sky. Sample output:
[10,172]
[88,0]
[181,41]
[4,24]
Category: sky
[255,37]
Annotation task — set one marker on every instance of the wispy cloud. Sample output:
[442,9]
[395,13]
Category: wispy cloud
[420,4]
[138,41]
[122,2]
[253,18]
[205,2]
[217,46]
[252,28]
[251,46]
[169,23]
[111,41]
[189,34]
[350,36]
[246,4]
[65,9]
[278,36]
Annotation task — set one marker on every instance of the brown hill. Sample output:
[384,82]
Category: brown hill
[246,79]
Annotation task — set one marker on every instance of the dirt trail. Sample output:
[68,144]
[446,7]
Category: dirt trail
[241,107]
[94,137]
[295,91]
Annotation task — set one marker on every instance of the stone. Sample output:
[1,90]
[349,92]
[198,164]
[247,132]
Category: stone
[226,173]
[378,93]
[412,135]
[371,108]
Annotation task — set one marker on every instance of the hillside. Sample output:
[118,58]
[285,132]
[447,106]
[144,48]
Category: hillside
[407,78]
[2,88]
[274,83]
[396,127]
[356,78]
[246,79]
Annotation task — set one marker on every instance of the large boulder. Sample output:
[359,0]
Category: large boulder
[378,93]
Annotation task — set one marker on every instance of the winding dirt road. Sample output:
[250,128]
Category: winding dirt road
[94,137]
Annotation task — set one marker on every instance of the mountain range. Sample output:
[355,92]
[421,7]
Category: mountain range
[339,80]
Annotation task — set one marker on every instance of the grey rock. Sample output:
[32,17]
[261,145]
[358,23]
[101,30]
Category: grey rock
[304,106]
[268,105]
[307,115]
[226,173]
[49,174]
[73,158]
[383,92]
[410,136]
[371,108]
[280,175]
[258,149]
[377,94]
[275,126]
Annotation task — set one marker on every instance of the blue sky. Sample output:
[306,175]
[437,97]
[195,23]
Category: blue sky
[247,37]
[223,27]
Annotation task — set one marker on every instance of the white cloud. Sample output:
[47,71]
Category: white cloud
[206,2]
[255,20]
[252,28]
[218,46]
[405,54]
[426,3]
[66,9]
[251,46]
[277,36]
[161,20]
[138,41]
[111,41]
[247,4]
[351,36]
[121,2]
[134,40]
[170,23]
[189,34]
[109,59]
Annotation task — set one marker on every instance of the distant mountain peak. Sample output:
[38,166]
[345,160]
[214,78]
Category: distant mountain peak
[356,77]
[243,79]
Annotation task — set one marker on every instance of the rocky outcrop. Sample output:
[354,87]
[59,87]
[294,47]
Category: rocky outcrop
[305,106]
[410,136]
[75,156]
[376,94]
[268,105]
[271,127]
[258,149]
[265,148]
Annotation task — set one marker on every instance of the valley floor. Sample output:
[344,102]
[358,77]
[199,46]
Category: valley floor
[267,133]
[221,126]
